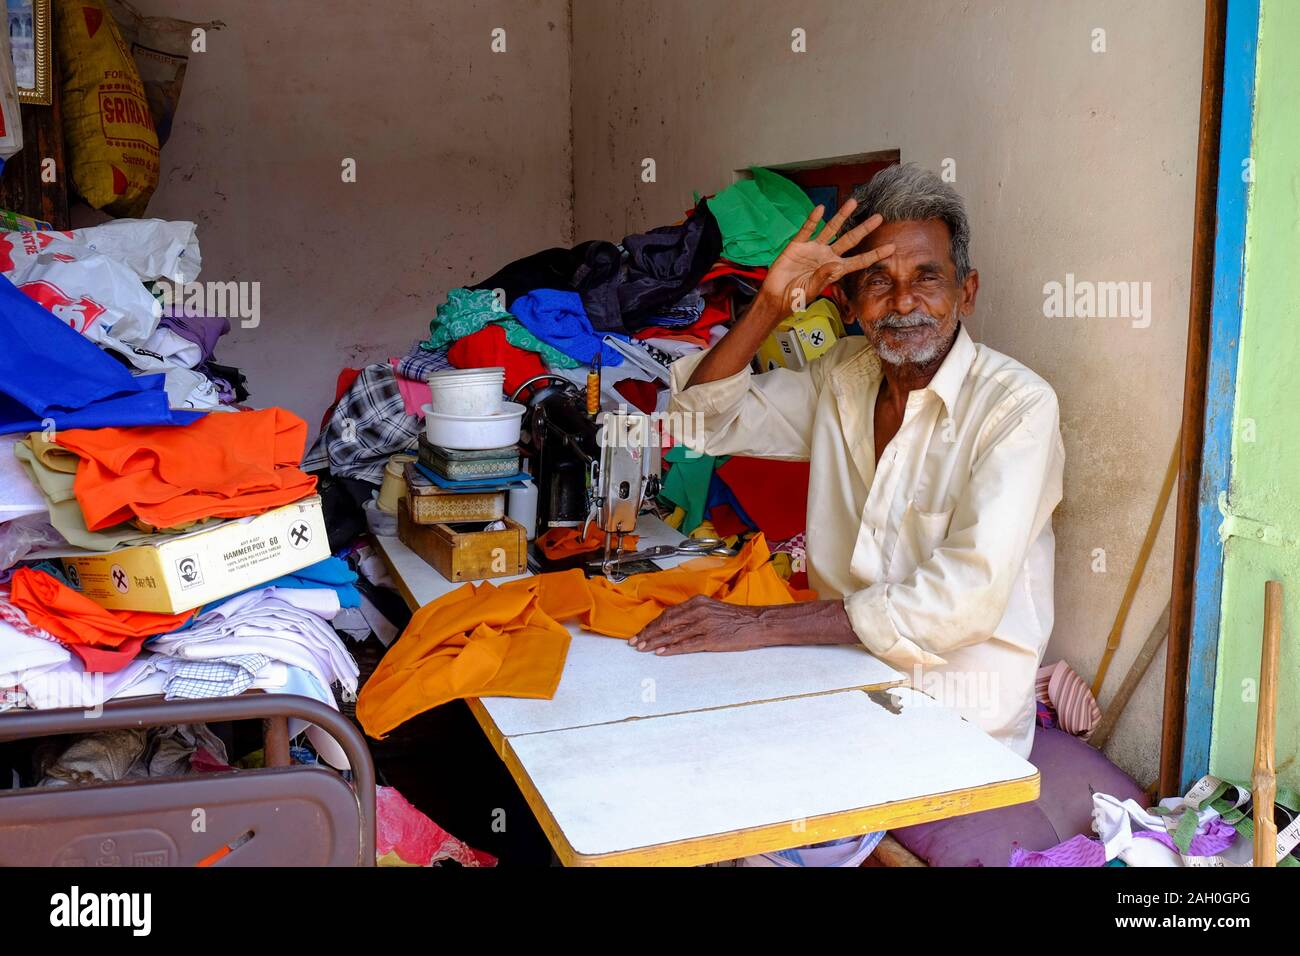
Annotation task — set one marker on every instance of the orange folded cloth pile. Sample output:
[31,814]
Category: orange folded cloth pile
[221,466]
[104,640]
[566,542]
[484,640]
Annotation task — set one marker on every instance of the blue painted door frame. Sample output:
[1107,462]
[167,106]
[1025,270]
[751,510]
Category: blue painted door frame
[1236,136]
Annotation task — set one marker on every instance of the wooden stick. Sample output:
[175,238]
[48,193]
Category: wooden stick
[1135,578]
[1263,782]
[1137,670]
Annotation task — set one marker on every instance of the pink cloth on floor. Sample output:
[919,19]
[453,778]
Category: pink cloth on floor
[415,395]
[1076,851]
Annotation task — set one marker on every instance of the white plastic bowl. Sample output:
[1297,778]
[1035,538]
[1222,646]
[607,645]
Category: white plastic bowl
[469,391]
[471,432]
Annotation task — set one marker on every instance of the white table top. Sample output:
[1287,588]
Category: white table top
[606,680]
[701,757]
[618,787]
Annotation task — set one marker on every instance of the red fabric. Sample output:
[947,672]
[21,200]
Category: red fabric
[641,395]
[105,640]
[724,268]
[488,348]
[346,377]
[716,311]
[773,493]
[726,522]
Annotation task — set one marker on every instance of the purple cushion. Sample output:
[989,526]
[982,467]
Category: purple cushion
[1070,770]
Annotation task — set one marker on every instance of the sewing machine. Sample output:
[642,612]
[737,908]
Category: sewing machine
[590,466]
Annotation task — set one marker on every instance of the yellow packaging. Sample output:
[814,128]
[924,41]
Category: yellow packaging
[186,571]
[802,337]
[112,143]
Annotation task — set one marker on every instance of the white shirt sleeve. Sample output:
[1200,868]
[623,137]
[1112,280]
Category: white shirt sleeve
[958,595]
[764,416]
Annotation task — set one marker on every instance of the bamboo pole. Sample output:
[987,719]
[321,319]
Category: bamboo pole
[1135,578]
[1263,784]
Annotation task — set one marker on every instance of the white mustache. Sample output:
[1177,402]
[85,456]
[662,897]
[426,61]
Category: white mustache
[909,321]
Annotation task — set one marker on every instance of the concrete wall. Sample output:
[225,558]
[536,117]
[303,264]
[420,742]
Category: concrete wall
[1265,484]
[463,163]
[1072,161]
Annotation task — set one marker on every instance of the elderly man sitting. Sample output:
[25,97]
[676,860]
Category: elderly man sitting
[935,461]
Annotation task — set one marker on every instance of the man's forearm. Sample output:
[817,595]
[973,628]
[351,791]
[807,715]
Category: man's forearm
[739,346]
[808,622]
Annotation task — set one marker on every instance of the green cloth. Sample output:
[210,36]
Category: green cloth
[686,485]
[758,217]
[466,311]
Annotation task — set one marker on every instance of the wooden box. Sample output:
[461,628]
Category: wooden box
[459,554]
[432,505]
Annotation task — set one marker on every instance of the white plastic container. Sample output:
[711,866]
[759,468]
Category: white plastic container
[521,506]
[467,391]
[471,432]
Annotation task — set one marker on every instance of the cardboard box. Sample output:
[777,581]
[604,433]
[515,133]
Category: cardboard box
[185,571]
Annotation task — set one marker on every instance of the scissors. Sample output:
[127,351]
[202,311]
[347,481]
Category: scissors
[690,546]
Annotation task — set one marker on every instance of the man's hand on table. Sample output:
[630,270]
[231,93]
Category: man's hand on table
[704,624]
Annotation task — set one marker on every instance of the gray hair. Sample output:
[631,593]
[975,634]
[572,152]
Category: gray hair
[911,193]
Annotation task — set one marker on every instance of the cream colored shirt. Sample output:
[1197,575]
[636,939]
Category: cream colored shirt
[943,553]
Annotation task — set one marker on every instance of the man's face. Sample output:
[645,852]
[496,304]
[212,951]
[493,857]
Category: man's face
[909,303]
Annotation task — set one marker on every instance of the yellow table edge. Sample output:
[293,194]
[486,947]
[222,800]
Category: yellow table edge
[765,839]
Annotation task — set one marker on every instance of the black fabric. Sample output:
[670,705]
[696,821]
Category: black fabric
[666,263]
[231,374]
[341,504]
[589,268]
[621,288]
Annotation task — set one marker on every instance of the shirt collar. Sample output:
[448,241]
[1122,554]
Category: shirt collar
[952,373]
[947,380]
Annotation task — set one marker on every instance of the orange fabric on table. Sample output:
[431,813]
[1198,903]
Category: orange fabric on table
[479,640]
[78,621]
[508,641]
[225,465]
[566,542]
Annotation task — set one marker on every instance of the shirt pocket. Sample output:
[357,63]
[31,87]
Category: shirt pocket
[919,534]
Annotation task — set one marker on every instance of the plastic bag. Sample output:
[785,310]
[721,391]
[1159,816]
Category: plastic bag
[21,536]
[93,279]
[161,48]
[11,120]
[112,144]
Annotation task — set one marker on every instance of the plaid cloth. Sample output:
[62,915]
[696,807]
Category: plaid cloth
[227,677]
[368,425]
[420,363]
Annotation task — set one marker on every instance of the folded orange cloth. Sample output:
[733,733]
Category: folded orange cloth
[225,465]
[85,626]
[566,542]
[486,640]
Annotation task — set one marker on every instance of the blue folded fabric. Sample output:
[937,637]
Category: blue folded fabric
[559,319]
[50,372]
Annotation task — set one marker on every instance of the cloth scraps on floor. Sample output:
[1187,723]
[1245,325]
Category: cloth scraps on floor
[406,837]
[1076,851]
[483,640]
